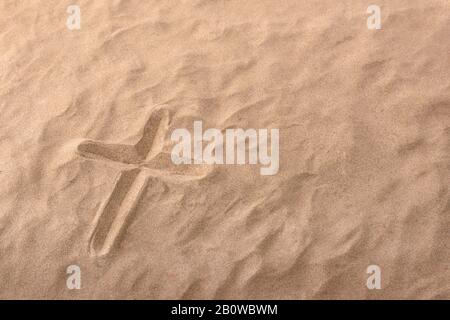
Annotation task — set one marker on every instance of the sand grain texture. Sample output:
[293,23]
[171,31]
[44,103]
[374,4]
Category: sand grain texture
[86,117]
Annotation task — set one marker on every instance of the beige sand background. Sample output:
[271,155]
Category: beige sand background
[364,119]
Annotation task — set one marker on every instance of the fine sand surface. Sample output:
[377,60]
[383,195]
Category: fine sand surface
[87,179]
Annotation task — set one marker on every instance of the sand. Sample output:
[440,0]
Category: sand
[87,178]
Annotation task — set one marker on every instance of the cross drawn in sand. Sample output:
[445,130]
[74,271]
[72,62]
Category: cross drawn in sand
[134,160]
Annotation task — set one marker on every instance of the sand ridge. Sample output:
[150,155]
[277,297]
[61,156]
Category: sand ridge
[87,176]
